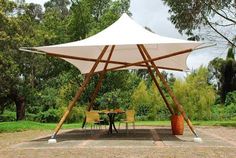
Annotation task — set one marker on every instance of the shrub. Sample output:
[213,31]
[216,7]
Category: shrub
[222,112]
[163,114]
[110,100]
[196,95]
[8,116]
[77,114]
[141,118]
[230,98]
[217,112]
[230,111]
[141,101]
[49,116]
[31,117]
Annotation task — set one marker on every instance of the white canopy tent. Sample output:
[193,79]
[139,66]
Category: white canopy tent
[131,47]
[125,34]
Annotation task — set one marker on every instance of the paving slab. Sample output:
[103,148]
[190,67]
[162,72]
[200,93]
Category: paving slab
[140,137]
[144,142]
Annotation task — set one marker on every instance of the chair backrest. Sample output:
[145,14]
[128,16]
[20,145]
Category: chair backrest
[130,115]
[92,116]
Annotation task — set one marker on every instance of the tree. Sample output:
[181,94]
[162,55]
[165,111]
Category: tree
[9,79]
[55,21]
[34,11]
[10,39]
[189,15]
[141,100]
[148,102]
[195,94]
[60,5]
[38,78]
[93,16]
[20,26]
[228,75]
[158,109]
[223,74]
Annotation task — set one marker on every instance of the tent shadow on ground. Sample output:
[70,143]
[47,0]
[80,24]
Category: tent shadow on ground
[163,134]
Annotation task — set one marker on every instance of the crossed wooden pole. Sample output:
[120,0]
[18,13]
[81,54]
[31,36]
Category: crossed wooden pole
[147,62]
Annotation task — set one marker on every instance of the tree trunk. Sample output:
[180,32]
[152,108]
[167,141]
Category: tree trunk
[20,107]
[20,104]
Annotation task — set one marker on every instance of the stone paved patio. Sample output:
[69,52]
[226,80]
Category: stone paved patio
[145,141]
[140,137]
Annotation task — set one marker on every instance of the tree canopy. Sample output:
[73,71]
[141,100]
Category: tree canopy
[218,15]
[40,87]
[24,24]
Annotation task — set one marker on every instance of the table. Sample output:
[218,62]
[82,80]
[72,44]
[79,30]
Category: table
[111,115]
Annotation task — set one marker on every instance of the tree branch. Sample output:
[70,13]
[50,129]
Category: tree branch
[223,16]
[224,25]
[205,18]
[224,13]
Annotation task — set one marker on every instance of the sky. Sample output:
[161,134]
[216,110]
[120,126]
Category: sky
[154,14]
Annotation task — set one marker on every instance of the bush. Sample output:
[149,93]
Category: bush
[77,114]
[222,112]
[49,116]
[196,95]
[141,118]
[110,100]
[230,111]
[230,98]
[141,101]
[217,112]
[163,114]
[31,117]
[8,116]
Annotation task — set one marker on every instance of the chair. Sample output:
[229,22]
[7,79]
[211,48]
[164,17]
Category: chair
[92,117]
[130,118]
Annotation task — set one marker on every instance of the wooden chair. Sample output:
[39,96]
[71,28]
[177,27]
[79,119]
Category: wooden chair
[92,118]
[130,118]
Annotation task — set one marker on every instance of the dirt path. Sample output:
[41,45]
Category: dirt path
[219,142]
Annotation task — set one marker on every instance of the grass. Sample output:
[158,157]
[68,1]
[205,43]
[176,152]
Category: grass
[18,126]
[228,123]
[29,125]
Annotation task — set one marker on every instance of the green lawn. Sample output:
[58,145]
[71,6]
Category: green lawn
[229,123]
[29,125]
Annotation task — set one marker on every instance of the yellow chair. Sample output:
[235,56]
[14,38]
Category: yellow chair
[93,118]
[130,118]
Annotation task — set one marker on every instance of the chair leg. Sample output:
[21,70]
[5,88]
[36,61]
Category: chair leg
[127,127]
[85,128]
[134,127]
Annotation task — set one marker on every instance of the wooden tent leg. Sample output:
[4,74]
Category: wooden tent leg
[155,81]
[79,92]
[171,93]
[95,92]
[99,84]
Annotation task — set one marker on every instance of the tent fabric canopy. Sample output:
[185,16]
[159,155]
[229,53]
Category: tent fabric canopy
[129,46]
[125,34]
